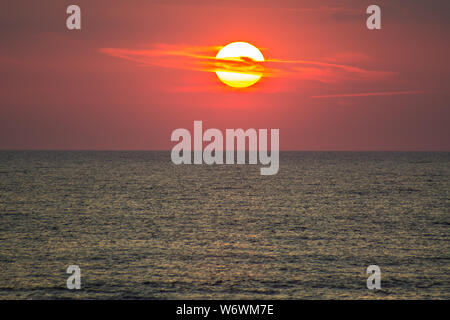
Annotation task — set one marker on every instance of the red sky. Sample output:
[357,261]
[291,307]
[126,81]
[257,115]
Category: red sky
[345,87]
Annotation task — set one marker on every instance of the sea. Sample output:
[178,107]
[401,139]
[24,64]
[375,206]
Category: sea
[140,227]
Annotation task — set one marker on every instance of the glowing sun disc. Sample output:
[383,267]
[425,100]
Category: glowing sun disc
[234,52]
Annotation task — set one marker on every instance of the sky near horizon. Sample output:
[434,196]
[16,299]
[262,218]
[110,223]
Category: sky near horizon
[137,70]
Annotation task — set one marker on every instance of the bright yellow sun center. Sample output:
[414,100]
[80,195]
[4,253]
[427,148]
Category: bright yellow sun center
[234,66]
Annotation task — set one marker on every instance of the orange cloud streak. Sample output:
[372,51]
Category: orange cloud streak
[203,59]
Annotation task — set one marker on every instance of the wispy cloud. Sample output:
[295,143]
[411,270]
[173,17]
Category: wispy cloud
[325,71]
[197,58]
[368,94]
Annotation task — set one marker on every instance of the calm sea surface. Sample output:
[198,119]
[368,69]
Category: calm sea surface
[140,227]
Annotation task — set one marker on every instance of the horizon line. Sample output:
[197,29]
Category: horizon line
[169,150]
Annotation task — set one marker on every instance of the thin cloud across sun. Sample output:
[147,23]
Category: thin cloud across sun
[206,59]
[244,70]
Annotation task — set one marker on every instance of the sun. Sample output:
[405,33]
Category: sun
[237,64]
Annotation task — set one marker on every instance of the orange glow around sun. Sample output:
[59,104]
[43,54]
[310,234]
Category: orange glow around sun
[238,61]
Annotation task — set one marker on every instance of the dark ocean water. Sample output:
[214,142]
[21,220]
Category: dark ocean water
[140,227]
